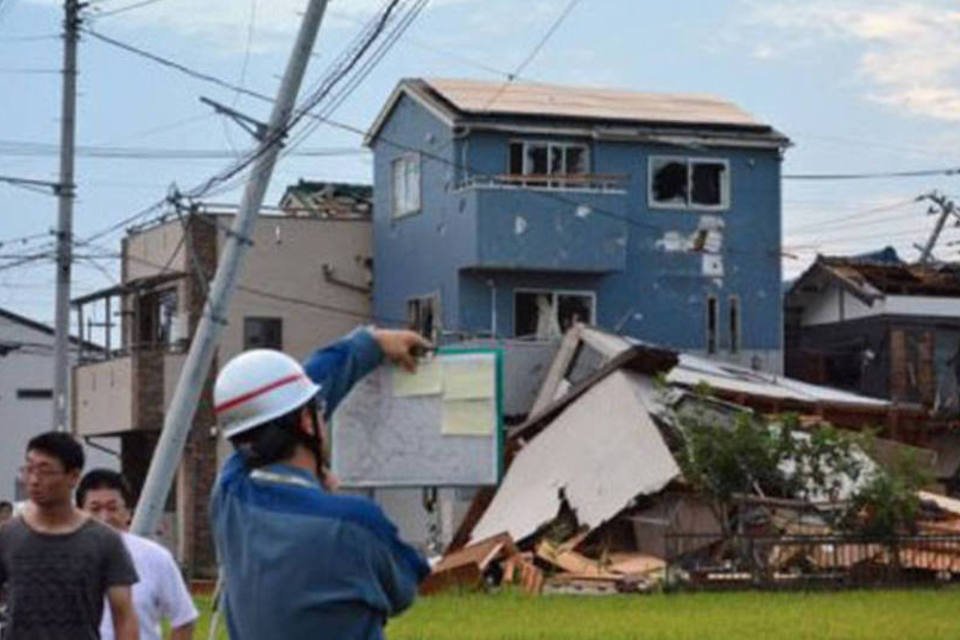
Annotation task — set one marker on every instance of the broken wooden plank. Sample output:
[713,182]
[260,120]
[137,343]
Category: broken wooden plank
[571,561]
[481,553]
[635,563]
[465,567]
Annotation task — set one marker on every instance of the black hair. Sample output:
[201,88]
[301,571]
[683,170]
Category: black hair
[61,446]
[276,440]
[6,504]
[104,479]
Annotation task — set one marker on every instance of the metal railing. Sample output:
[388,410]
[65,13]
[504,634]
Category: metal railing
[601,182]
[707,561]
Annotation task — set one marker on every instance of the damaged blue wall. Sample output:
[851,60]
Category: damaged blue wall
[467,244]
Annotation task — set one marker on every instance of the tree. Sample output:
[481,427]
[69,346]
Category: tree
[729,452]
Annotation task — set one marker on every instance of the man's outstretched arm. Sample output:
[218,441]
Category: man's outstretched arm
[340,365]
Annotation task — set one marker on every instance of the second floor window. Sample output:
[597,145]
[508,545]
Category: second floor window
[405,183]
[541,160]
[689,183]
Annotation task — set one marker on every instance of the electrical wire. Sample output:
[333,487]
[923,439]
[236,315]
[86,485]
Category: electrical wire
[124,9]
[948,171]
[18,148]
[533,53]
[207,186]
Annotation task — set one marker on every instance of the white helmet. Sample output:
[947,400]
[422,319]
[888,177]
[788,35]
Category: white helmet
[258,386]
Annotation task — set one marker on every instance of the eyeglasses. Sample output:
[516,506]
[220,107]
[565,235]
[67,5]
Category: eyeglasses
[39,472]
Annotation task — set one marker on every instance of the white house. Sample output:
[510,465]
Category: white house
[26,397]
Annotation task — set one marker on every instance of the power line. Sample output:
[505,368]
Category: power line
[28,71]
[207,186]
[857,215]
[31,149]
[173,65]
[446,53]
[533,53]
[25,239]
[30,38]
[949,171]
[129,7]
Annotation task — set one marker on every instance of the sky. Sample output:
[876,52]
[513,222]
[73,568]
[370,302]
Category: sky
[859,86]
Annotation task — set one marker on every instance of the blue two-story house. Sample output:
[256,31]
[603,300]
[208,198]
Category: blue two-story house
[518,209]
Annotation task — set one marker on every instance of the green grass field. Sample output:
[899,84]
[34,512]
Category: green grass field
[867,615]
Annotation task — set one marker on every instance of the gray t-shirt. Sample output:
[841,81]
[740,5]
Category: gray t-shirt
[56,583]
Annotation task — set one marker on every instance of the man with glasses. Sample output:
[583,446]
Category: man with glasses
[57,562]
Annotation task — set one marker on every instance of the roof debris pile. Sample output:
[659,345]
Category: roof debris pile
[594,500]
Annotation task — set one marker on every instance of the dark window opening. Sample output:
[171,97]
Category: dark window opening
[34,394]
[670,182]
[734,325]
[158,319]
[707,179]
[516,158]
[548,314]
[422,316]
[576,160]
[263,333]
[683,183]
[711,324]
[541,159]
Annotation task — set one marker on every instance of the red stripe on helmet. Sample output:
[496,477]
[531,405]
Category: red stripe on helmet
[250,395]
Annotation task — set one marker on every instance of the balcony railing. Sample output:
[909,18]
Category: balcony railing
[601,182]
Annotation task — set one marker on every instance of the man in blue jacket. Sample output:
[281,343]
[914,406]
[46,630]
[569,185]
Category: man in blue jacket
[298,561]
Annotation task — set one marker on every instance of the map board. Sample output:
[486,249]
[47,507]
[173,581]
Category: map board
[440,427]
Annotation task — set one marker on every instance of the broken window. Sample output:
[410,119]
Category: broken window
[734,312]
[689,183]
[541,159]
[711,324]
[423,316]
[263,333]
[706,182]
[405,179]
[548,314]
[669,182]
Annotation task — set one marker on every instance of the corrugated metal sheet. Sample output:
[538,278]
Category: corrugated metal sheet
[693,370]
[478,97]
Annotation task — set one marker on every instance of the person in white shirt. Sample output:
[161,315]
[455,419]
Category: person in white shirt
[160,593]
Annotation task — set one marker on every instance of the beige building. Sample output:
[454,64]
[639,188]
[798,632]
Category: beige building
[305,281]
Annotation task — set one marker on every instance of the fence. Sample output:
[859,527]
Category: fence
[706,561]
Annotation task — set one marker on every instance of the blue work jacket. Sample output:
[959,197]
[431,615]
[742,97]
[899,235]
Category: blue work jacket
[299,562]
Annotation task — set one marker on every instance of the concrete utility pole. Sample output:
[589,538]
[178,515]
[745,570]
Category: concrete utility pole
[183,406]
[65,191]
[946,209]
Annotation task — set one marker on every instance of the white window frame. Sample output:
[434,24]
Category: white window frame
[405,208]
[690,206]
[563,144]
[555,292]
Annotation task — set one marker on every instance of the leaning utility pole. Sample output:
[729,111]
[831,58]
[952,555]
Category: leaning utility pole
[65,192]
[183,406]
[946,208]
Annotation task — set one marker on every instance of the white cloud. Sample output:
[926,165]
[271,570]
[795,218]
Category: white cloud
[909,52]
[224,23]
